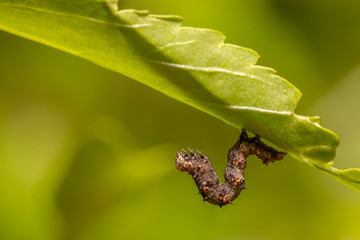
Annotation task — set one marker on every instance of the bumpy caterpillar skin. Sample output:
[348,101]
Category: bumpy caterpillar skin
[199,167]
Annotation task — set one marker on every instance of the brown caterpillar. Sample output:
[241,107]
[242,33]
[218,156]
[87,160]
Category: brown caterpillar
[199,167]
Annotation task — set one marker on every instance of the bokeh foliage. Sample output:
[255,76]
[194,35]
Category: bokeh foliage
[88,154]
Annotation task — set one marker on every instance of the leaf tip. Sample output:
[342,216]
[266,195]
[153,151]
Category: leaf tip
[315,119]
[113,5]
[171,18]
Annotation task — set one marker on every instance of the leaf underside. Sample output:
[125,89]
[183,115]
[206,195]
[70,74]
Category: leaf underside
[191,65]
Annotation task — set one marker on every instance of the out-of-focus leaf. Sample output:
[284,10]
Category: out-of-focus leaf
[192,65]
[35,143]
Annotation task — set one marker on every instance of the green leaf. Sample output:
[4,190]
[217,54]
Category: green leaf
[191,65]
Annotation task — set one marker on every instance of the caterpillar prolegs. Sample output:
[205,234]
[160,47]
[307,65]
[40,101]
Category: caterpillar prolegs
[199,167]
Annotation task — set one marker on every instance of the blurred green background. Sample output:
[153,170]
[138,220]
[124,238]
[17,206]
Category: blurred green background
[86,153]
